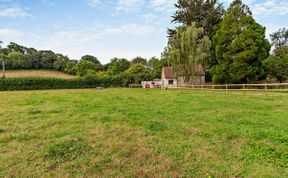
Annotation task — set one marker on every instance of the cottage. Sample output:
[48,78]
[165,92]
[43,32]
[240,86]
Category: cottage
[169,80]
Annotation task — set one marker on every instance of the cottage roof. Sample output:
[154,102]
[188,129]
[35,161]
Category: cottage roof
[167,71]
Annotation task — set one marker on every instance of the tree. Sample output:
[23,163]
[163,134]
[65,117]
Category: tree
[14,47]
[190,48]
[2,56]
[277,63]
[165,58]
[117,66]
[139,60]
[93,59]
[277,67]
[71,67]
[61,62]
[240,46]
[156,66]
[136,69]
[47,59]
[84,66]
[205,13]
[280,38]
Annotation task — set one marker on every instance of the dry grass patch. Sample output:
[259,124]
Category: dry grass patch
[38,73]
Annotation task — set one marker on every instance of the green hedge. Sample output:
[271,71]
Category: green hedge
[44,83]
[35,83]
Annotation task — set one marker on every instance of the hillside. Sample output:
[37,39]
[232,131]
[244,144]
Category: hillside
[37,73]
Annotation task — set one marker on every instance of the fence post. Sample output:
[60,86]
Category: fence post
[226,89]
[266,88]
[244,89]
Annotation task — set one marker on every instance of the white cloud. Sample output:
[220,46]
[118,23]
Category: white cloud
[163,5]
[266,7]
[131,29]
[278,7]
[94,3]
[130,5]
[13,12]
[7,35]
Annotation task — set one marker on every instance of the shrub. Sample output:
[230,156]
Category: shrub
[89,81]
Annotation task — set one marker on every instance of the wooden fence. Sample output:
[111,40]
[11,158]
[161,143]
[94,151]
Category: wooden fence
[227,87]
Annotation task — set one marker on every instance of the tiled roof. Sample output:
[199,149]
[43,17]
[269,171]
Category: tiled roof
[168,72]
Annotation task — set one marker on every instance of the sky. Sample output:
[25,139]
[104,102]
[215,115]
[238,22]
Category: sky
[107,28]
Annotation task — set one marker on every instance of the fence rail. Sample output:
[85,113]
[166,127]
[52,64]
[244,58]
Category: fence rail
[266,86]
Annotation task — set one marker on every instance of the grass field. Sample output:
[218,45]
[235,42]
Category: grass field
[143,133]
[37,73]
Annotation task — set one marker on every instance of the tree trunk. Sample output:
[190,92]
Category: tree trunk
[3,69]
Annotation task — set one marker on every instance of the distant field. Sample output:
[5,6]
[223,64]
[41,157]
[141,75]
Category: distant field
[37,73]
[143,133]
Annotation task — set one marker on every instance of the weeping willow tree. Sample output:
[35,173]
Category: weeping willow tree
[189,52]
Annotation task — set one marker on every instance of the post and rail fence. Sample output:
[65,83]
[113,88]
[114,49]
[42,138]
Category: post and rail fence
[234,87]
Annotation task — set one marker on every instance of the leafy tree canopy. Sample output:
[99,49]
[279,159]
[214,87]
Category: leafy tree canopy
[240,46]
[280,38]
[277,63]
[139,60]
[190,48]
[91,59]
[205,13]
[117,66]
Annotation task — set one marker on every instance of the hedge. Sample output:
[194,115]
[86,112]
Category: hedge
[36,83]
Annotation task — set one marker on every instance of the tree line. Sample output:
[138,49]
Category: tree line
[21,57]
[229,44]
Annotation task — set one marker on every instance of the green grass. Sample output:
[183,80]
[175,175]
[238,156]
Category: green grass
[143,133]
[37,73]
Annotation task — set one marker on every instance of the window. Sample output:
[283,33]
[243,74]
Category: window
[170,82]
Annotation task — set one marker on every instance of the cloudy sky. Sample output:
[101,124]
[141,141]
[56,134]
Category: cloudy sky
[107,28]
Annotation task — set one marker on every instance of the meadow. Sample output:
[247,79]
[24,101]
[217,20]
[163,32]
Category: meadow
[143,133]
[37,73]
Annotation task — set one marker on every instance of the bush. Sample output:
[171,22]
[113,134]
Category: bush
[46,83]
[89,81]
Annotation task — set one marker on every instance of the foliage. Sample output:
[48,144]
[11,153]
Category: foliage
[84,66]
[277,63]
[156,66]
[91,80]
[136,68]
[280,38]
[61,62]
[205,13]
[139,60]
[117,66]
[94,60]
[240,46]
[277,67]
[32,83]
[71,67]
[190,48]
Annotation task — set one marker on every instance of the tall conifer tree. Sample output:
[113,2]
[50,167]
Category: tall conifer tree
[240,46]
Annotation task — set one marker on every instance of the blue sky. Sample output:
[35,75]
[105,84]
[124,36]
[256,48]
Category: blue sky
[107,28]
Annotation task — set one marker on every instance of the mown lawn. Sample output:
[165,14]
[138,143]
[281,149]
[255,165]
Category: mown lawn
[143,133]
